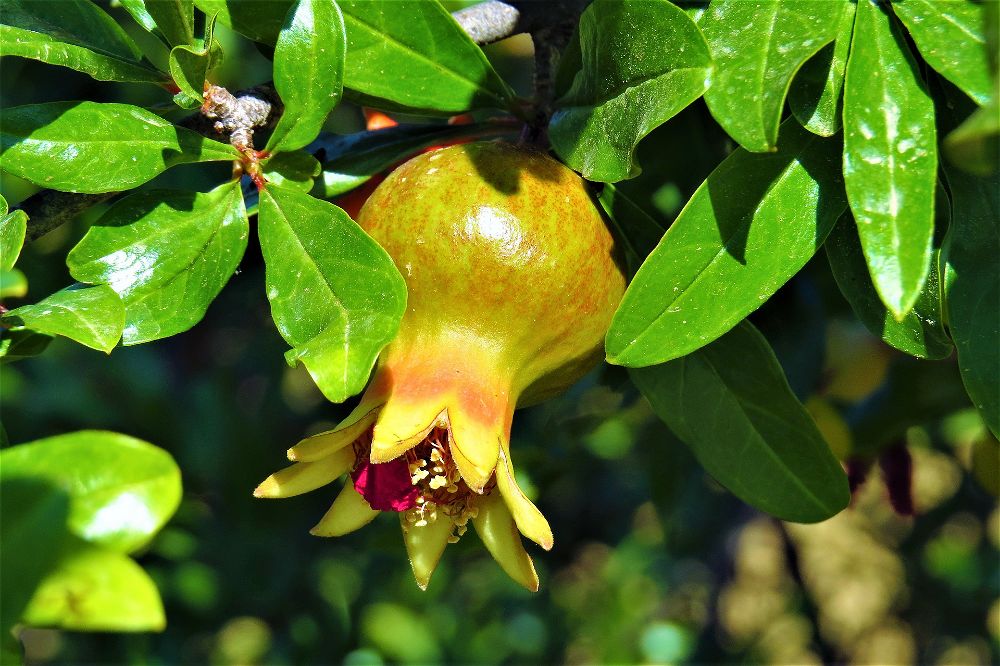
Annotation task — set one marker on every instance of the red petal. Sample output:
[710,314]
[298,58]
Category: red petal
[386,486]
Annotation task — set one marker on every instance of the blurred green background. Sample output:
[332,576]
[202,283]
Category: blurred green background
[653,563]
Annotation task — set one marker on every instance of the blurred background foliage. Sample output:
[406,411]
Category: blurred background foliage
[654,562]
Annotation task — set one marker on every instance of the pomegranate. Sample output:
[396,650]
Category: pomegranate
[512,281]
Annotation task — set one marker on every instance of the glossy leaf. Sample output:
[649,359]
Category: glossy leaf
[972,288]
[731,404]
[137,8]
[758,47]
[167,254]
[921,332]
[295,170]
[95,589]
[815,95]
[93,316]
[351,159]
[413,53]
[92,147]
[174,18]
[17,345]
[890,158]
[32,531]
[632,80]
[12,229]
[75,34]
[750,227]
[308,71]
[636,230]
[335,295]
[260,20]
[950,36]
[122,490]
[190,64]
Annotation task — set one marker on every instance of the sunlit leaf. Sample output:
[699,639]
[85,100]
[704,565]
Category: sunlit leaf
[93,316]
[121,490]
[815,95]
[167,254]
[93,147]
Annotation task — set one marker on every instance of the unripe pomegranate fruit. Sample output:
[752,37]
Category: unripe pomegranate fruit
[512,280]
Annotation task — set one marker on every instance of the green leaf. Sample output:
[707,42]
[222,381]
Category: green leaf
[93,316]
[295,170]
[308,71]
[758,47]
[731,404]
[174,18]
[351,159]
[122,490]
[975,144]
[94,589]
[636,230]
[815,95]
[921,332]
[950,36]
[21,344]
[12,229]
[75,34]
[632,80]
[260,20]
[91,147]
[972,288]
[32,531]
[335,295]
[413,53]
[137,8]
[749,227]
[190,64]
[890,157]
[167,254]
[13,284]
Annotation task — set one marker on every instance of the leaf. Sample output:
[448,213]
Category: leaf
[890,158]
[975,144]
[731,404]
[13,284]
[308,71]
[335,295]
[352,159]
[636,230]
[295,170]
[21,344]
[32,530]
[74,34]
[815,95]
[174,18]
[92,316]
[413,53]
[167,254]
[950,36]
[190,64]
[921,332]
[749,227]
[260,20]
[94,589]
[758,47]
[137,9]
[91,147]
[122,490]
[632,80]
[12,229]
[972,288]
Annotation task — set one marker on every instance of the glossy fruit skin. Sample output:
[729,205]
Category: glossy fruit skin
[506,257]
